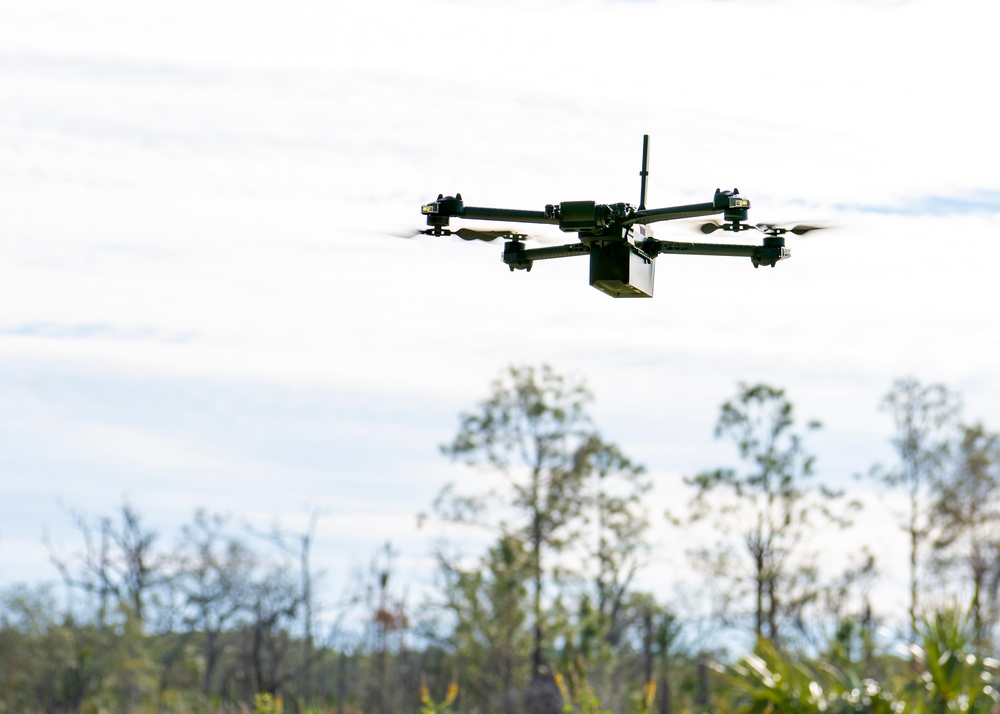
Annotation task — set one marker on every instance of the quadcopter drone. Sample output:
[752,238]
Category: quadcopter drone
[616,236]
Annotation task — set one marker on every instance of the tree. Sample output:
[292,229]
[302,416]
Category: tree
[966,509]
[123,570]
[273,601]
[922,416]
[120,567]
[215,579]
[667,635]
[621,524]
[387,625]
[489,605]
[48,662]
[298,545]
[768,508]
[535,431]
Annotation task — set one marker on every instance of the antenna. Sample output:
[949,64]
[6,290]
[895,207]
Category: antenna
[644,173]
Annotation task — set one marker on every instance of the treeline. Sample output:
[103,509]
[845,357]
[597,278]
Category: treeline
[549,619]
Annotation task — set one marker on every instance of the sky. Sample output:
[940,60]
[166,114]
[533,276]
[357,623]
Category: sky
[203,303]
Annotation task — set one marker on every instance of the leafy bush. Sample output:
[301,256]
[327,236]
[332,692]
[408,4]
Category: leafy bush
[945,674]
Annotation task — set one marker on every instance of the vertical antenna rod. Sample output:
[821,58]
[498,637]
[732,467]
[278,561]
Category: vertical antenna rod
[645,172]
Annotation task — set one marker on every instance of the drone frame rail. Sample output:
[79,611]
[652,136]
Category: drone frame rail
[586,217]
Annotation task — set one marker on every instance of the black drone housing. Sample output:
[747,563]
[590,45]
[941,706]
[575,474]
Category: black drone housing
[620,269]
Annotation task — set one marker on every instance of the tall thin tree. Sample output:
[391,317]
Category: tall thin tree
[767,508]
[534,430]
[923,417]
[966,509]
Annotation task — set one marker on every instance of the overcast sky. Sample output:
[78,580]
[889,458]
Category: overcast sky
[202,304]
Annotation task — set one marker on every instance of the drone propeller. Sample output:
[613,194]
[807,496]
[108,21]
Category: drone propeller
[463,233]
[768,229]
[713,226]
[476,234]
[471,234]
[773,230]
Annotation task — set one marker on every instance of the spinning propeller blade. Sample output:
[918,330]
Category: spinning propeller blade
[730,226]
[471,234]
[476,234]
[774,230]
[407,235]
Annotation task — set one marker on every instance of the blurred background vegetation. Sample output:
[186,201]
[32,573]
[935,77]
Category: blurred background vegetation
[219,617]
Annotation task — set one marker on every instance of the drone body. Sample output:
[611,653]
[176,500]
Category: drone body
[616,236]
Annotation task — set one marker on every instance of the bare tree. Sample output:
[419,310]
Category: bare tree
[273,603]
[215,579]
[118,564]
[298,545]
[121,568]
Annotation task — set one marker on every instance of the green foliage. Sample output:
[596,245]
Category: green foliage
[766,681]
[489,608]
[770,682]
[952,676]
[944,675]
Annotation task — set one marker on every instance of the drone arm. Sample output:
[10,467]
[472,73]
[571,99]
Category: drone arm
[759,254]
[669,246]
[730,203]
[518,257]
[445,207]
[693,210]
[507,214]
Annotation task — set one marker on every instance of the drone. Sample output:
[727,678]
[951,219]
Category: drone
[616,236]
